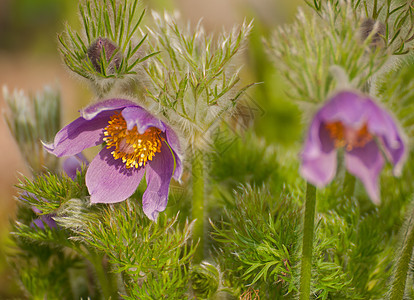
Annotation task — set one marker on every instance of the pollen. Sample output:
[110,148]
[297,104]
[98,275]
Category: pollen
[133,148]
[348,137]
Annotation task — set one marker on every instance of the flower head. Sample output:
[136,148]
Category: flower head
[365,131]
[375,29]
[135,143]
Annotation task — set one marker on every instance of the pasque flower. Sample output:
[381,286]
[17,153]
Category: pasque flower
[367,133]
[135,142]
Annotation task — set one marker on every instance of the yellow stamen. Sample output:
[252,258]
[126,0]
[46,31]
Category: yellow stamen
[134,149]
[348,137]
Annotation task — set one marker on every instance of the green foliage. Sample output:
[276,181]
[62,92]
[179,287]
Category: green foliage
[246,158]
[198,61]
[193,79]
[397,17]
[49,191]
[395,88]
[317,53]
[43,259]
[159,286]
[358,246]
[258,243]
[153,258]
[33,234]
[46,277]
[205,279]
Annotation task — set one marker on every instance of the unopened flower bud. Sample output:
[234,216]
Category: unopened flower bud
[375,29]
[32,119]
[95,53]
[205,280]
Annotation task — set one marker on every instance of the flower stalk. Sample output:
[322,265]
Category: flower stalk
[349,185]
[401,269]
[107,285]
[307,242]
[198,204]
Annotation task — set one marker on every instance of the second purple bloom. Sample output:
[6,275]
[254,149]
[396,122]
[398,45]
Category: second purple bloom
[365,131]
[135,143]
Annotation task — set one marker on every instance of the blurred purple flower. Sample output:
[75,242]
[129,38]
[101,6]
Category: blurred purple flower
[367,133]
[135,143]
[43,220]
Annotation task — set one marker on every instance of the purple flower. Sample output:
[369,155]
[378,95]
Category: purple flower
[365,131]
[135,143]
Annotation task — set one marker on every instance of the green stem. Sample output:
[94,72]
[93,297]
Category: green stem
[105,279]
[349,185]
[307,244]
[401,270]
[198,204]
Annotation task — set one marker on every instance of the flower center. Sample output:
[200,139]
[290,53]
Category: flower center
[133,148]
[348,137]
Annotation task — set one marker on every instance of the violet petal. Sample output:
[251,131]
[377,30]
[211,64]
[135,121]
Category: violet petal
[38,223]
[174,143]
[109,181]
[36,210]
[319,155]
[48,220]
[79,135]
[158,177]
[383,126]
[366,163]
[137,116]
[42,221]
[347,107]
[93,110]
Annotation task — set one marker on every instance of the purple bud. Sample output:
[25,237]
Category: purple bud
[95,52]
[370,25]
[43,219]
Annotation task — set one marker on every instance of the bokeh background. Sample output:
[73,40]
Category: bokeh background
[29,60]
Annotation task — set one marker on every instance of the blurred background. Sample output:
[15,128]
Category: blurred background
[29,60]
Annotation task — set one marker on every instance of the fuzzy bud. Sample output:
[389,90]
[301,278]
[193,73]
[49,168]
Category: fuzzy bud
[374,29]
[32,119]
[95,53]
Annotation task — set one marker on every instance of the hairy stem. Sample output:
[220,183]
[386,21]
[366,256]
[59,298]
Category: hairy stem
[401,269]
[307,243]
[198,204]
[349,185]
[105,280]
